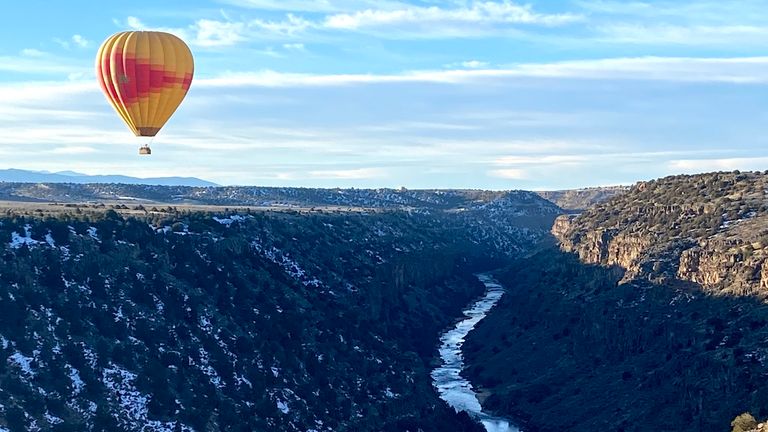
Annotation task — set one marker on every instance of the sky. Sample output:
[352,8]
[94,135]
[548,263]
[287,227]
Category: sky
[492,94]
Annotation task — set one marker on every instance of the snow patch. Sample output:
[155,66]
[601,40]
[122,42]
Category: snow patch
[24,362]
[74,376]
[229,220]
[283,407]
[289,266]
[132,405]
[17,240]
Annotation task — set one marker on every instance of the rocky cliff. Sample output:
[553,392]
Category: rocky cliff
[709,229]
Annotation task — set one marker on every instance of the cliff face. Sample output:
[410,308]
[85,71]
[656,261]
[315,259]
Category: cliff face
[561,225]
[607,247]
[709,229]
[731,263]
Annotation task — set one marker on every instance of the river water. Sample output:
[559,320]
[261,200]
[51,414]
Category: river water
[454,389]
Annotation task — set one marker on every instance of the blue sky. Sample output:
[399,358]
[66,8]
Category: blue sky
[386,93]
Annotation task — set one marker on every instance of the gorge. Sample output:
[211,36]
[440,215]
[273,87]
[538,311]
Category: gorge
[322,310]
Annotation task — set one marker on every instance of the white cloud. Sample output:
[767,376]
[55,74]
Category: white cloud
[677,69]
[699,11]
[724,164]
[360,173]
[31,52]
[685,69]
[77,40]
[80,41]
[291,26]
[668,34]
[218,33]
[44,91]
[474,64]
[313,5]
[32,61]
[691,23]
[542,160]
[135,23]
[509,173]
[450,137]
[388,19]
[215,33]
[295,46]
[68,150]
[487,12]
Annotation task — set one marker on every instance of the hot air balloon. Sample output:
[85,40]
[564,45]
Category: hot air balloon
[145,75]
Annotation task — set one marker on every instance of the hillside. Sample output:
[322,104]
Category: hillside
[191,320]
[650,317]
[418,199]
[709,229]
[495,217]
[578,200]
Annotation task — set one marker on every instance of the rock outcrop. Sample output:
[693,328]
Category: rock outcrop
[709,229]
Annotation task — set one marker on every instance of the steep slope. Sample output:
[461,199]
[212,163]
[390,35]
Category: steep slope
[651,317]
[495,217]
[252,321]
[710,229]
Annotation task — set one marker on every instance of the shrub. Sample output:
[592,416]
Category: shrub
[743,423]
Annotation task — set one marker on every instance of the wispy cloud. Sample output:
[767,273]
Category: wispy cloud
[724,164]
[209,33]
[295,47]
[73,150]
[80,41]
[509,173]
[669,34]
[33,61]
[542,160]
[436,21]
[385,19]
[676,69]
[678,23]
[76,40]
[701,11]
[679,69]
[359,173]
[313,5]
[43,91]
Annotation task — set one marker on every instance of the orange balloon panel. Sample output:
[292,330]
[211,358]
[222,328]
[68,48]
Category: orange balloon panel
[145,76]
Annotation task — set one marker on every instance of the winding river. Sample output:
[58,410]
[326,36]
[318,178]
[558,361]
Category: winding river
[454,389]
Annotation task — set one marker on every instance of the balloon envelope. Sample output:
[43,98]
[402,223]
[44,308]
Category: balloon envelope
[145,75]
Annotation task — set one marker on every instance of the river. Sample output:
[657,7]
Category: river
[454,389]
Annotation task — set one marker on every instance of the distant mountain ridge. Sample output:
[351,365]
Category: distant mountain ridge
[26,176]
